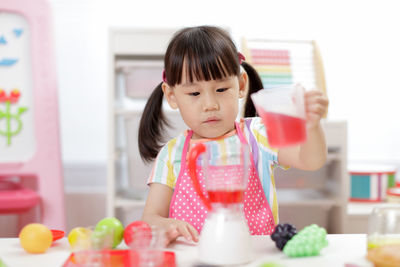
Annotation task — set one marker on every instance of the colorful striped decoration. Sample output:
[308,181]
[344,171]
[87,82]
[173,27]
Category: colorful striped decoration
[371,186]
[273,66]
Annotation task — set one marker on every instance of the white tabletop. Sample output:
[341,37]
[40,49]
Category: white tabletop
[342,250]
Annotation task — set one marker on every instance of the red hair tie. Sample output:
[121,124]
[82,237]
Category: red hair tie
[241,58]
[164,77]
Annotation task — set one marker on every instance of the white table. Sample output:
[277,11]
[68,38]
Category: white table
[342,250]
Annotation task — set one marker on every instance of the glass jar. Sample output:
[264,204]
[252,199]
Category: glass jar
[384,225]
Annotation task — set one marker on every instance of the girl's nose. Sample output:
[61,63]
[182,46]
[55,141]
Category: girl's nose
[210,103]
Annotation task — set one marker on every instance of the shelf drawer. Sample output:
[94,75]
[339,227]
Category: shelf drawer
[295,178]
[304,215]
[141,77]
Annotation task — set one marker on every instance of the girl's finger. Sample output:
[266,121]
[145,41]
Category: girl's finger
[183,230]
[316,108]
[194,233]
[317,99]
[323,101]
[312,93]
[172,233]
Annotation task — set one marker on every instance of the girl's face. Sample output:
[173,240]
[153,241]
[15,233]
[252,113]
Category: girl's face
[209,108]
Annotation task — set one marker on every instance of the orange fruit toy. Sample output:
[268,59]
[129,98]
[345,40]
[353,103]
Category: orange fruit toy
[35,238]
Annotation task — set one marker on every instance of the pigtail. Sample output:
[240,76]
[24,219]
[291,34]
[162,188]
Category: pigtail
[255,84]
[152,125]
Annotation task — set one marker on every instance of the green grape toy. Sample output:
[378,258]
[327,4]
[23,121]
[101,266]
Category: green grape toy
[307,242]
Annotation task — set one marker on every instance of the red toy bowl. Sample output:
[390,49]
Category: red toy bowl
[119,258]
[57,234]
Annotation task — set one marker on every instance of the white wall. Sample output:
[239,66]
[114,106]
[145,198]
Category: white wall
[359,42]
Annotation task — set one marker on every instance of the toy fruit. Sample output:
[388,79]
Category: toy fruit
[138,229]
[80,237]
[282,234]
[111,224]
[35,238]
[307,242]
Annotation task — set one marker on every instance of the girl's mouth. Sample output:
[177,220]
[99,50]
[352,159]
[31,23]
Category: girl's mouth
[211,120]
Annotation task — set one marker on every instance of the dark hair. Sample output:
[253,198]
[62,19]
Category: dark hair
[207,53]
[255,84]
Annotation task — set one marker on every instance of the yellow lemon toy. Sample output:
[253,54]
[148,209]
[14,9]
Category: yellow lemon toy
[35,238]
[79,237]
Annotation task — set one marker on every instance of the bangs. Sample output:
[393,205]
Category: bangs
[212,58]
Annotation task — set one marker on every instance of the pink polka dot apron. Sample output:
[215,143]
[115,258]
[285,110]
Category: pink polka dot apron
[187,206]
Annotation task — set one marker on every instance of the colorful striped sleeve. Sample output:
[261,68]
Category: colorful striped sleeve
[168,163]
[256,133]
[265,159]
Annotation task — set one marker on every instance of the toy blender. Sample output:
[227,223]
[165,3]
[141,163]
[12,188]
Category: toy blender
[225,237]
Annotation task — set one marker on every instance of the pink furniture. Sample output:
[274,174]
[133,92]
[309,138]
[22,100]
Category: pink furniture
[33,175]
[16,198]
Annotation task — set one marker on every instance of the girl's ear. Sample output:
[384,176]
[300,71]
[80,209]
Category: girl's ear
[169,95]
[243,84]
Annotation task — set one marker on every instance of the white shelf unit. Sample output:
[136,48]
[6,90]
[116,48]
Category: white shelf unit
[306,197]
[132,51]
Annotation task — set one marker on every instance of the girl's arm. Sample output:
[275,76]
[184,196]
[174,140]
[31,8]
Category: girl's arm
[156,213]
[312,154]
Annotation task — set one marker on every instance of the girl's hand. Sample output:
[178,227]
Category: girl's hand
[316,104]
[176,228]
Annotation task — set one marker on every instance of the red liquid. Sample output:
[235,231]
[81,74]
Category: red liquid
[226,197]
[284,130]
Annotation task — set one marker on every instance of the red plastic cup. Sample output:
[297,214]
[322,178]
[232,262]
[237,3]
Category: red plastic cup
[282,111]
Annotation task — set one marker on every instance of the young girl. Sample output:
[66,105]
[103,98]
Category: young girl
[204,78]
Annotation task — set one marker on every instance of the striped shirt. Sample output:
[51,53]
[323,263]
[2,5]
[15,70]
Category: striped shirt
[168,162]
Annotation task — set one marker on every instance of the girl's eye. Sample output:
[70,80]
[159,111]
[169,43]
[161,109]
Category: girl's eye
[194,94]
[220,90]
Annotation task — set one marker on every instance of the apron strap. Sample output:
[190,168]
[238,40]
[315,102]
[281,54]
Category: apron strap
[240,133]
[185,150]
